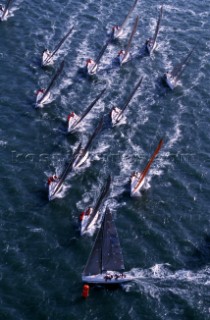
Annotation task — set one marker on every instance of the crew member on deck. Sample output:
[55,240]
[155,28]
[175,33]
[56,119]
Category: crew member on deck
[51,179]
[121,53]
[48,53]
[40,91]
[85,213]
[115,29]
[71,115]
[90,63]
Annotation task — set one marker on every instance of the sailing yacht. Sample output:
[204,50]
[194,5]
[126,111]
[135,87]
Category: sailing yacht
[138,178]
[55,184]
[116,113]
[43,95]
[117,31]
[124,55]
[151,43]
[48,56]
[105,264]
[74,120]
[92,65]
[84,152]
[172,77]
[90,219]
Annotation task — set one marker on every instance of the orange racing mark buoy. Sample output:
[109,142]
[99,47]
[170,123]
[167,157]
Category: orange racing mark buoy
[85,291]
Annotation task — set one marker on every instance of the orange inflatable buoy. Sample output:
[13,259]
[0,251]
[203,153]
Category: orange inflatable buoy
[85,291]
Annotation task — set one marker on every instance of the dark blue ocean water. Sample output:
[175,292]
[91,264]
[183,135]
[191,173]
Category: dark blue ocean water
[164,233]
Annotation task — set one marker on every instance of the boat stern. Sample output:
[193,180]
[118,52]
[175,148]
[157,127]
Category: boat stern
[117,32]
[80,160]
[108,278]
[151,45]
[39,101]
[46,60]
[123,57]
[91,67]
[71,121]
[169,80]
[136,176]
[115,115]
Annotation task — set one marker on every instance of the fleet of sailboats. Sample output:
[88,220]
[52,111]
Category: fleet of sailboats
[105,264]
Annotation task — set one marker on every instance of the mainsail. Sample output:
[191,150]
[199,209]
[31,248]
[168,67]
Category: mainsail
[112,258]
[102,51]
[96,131]
[128,15]
[158,24]
[101,198]
[6,8]
[58,46]
[129,99]
[106,253]
[52,82]
[89,108]
[131,36]
[179,68]
[146,169]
